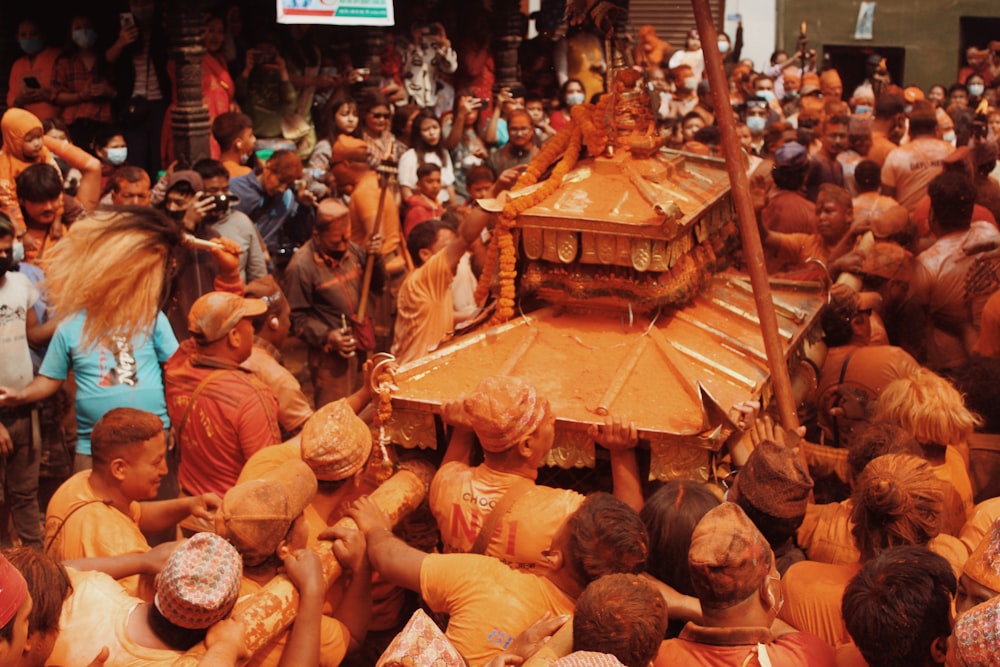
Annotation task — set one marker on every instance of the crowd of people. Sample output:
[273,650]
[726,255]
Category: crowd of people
[145,307]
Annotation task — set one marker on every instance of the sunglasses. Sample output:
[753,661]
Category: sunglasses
[383,116]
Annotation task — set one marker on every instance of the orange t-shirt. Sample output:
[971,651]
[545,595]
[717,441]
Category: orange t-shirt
[461,497]
[488,603]
[424,309]
[78,524]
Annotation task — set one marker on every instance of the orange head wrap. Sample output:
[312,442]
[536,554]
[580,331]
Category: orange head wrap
[503,411]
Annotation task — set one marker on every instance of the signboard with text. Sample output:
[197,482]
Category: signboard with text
[336,12]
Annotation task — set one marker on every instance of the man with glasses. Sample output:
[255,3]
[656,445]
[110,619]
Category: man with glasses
[520,148]
[277,201]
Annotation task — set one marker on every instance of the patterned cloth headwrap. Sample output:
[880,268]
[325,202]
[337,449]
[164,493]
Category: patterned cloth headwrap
[503,411]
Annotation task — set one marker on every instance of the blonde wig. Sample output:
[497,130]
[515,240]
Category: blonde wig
[897,501]
[113,266]
[928,407]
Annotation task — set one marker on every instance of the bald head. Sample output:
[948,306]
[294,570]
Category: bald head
[331,209]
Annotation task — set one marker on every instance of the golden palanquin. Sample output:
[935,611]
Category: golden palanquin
[676,375]
[627,251]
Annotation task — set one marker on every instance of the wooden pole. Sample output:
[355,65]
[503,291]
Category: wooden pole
[746,218]
[269,612]
[366,282]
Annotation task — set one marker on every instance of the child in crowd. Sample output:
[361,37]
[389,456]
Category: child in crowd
[424,205]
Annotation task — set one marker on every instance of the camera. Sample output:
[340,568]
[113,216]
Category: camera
[223,201]
[126,20]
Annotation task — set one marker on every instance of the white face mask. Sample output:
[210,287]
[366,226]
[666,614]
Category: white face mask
[723,46]
[691,83]
[572,99]
[117,156]
[976,89]
[950,137]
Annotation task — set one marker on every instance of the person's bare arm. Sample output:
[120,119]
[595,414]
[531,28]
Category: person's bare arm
[40,388]
[620,436]
[305,570]
[160,515]
[355,608]
[394,559]
[226,644]
[89,191]
[39,333]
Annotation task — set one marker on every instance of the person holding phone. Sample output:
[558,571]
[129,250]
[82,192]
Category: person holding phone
[30,85]
[82,84]
[139,60]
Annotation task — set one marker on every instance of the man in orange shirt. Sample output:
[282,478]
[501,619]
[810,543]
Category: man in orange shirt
[832,242]
[898,608]
[733,574]
[102,512]
[488,603]
[516,429]
[220,412]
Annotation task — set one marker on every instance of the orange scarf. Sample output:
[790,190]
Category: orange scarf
[15,125]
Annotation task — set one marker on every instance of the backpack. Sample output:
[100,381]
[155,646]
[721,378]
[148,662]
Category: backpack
[843,407]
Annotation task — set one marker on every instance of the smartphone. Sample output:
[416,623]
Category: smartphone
[126,20]
[32,82]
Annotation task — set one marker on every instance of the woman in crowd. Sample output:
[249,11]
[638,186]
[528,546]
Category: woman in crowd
[382,143]
[82,83]
[427,146]
[571,94]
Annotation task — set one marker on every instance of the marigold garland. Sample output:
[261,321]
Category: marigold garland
[385,382]
[502,251]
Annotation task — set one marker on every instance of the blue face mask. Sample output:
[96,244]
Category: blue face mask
[31,45]
[862,109]
[17,252]
[756,123]
[976,89]
[117,156]
[766,94]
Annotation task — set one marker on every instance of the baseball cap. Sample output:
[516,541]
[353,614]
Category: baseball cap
[215,314]
[189,176]
[256,515]
[791,155]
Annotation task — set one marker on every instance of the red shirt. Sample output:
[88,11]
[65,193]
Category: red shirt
[234,416]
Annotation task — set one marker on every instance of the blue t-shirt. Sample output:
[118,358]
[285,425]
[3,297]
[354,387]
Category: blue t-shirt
[112,374]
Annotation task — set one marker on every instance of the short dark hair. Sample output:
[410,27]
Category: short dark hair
[870,441]
[606,536]
[479,174]
[670,516]
[6,226]
[776,530]
[423,235]
[209,168]
[898,605]
[868,175]
[426,169]
[953,196]
[48,584]
[38,183]
[227,127]
[790,178]
[171,634]
[121,428]
[889,105]
[286,164]
[127,174]
[622,615]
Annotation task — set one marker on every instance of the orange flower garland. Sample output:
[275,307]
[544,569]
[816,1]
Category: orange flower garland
[505,253]
[385,383]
